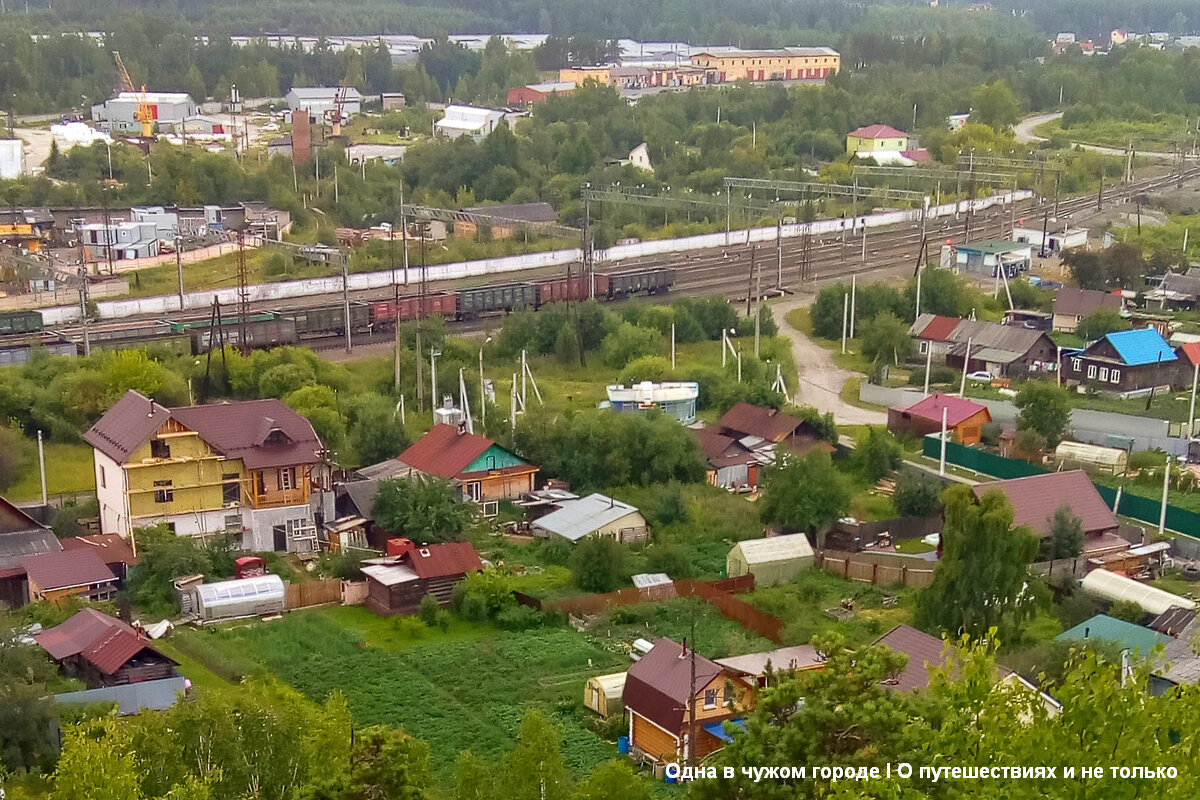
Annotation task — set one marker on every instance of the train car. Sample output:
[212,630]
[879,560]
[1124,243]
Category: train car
[652,280]
[557,290]
[262,331]
[14,322]
[137,333]
[385,312]
[21,352]
[325,321]
[494,299]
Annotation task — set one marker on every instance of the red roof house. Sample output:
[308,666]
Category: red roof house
[486,470]
[660,694]
[396,585]
[878,132]
[965,418]
[113,549]
[748,423]
[1035,499]
[53,576]
[104,651]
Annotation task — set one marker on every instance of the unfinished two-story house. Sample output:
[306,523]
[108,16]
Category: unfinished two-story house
[256,469]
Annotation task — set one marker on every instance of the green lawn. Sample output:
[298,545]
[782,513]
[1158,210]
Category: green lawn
[69,469]
[466,688]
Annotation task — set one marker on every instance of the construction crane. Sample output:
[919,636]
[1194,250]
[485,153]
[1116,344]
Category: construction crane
[145,111]
[334,115]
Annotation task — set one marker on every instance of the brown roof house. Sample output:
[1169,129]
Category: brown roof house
[255,469]
[103,651]
[1035,499]
[396,584]
[964,418]
[54,576]
[485,470]
[114,551]
[661,696]
[1072,305]
[20,536]
[744,440]
[1009,351]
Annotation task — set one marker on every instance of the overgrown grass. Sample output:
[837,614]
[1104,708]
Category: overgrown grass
[1115,132]
[801,603]
[714,636]
[69,469]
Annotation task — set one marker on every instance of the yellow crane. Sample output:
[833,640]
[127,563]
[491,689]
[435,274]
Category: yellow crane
[145,111]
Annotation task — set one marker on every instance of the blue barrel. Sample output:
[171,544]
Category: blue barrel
[669,778]
[623,745]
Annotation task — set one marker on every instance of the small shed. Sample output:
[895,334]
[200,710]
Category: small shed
[1091,458]
[773,560]
[1114,587]
[602,694]
[244,597]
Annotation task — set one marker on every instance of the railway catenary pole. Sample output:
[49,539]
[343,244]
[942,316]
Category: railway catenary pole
[346,301]
[179,266]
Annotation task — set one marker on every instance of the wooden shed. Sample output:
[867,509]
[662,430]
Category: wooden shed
[602,694]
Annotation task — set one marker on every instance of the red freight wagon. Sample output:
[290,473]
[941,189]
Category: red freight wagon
[557,290]
[436,304]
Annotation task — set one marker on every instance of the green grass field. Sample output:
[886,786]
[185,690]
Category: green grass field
[69,470]
[466,688]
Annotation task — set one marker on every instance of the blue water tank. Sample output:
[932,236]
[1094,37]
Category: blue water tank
[623,745]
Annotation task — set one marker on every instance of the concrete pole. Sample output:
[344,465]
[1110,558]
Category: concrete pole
[853,298]
[928,364]
[962,386]
[672,345]
[346,300]
[845,319]
[725,346]
[1192,406]
[918,310]
[1162,514]
[864,243]
[524,386]
[179,267]
[42,466]
[482,391]
[403,419]
[942,460]
[512,409]
[434,402]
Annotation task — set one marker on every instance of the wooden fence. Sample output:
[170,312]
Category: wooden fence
[719,593]
[882,569]
[313,593]
[853,537]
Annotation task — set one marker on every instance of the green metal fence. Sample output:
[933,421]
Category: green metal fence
[1134,506]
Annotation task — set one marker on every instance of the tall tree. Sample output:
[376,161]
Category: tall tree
[1066,535]
[1045,408]
[423,508]
[982,581]
[803,493]
[534,769]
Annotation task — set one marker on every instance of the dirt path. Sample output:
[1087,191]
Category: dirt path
[1024,133]
[821,380]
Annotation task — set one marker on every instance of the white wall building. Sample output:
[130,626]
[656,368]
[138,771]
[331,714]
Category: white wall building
[468,121]
[126,240]
[317,100]
[12,159]
[170,108]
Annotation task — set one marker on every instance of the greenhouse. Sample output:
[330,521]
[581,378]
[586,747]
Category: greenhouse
[247,597]
[602,694]
[1091,458]
[1114,587]
[773,560]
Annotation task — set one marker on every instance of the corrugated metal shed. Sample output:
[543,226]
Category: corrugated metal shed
[578,518]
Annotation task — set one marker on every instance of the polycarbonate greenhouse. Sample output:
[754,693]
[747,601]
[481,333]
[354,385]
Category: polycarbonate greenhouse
[246,597]
[1114,587]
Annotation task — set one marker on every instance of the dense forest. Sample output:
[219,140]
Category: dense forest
[748,23]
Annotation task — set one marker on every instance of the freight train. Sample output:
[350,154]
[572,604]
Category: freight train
[21,331]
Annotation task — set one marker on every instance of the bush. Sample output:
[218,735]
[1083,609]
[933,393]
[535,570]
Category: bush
[556,550]
[429,610]
[990,433]
[917,493]
[937,375]
[1127,610]
[410,627]
[671,559]
[598,564]
[519,618]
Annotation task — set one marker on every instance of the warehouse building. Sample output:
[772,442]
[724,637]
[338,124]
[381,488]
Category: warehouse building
[169,108]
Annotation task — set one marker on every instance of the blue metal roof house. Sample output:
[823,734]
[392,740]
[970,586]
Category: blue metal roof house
[1125,362]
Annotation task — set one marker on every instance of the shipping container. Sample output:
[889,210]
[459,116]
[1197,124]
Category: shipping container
[495,299]
[384,312]
[13,322]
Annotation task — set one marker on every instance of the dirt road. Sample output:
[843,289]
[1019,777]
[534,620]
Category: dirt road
[821,380]
[1024,133]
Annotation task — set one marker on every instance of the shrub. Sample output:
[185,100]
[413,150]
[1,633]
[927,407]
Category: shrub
[518,618]
[990,433]
[556,550]
[917,493]
[1127,610]
[937,375]
[429,610]
[671,559]
[598,564]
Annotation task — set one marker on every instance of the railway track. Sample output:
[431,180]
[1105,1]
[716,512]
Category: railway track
[726,270]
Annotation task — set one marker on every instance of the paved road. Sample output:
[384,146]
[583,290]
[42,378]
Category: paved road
[1024,133]
[821,380]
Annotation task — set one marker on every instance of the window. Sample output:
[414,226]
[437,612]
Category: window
[159,449]
[1076,364]
[923,348]
[1115,376]
[171,527]
[473,491]
[163,493]
[710,698]
[231,488]
[103,481]
[1103,374]
[287,479]
[233,523]
[1091,370]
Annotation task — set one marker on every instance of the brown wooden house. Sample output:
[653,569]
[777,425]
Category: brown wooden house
[661,697]
[964,418]
[103,651]
[396,585]
[55,576]
[1124,361]
[20,536]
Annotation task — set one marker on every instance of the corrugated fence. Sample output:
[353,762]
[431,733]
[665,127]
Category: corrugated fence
[1140,508]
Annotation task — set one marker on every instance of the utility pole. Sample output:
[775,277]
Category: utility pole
[243,295]
[942,458]
[346,300]
[779,256]
[179,266]
[433,384]
[83,316]
[845,318]
[42,466]
[1192,407]
[757,321]
[853,301]
[962,386]
[691,703]
[750,282]
[672,345]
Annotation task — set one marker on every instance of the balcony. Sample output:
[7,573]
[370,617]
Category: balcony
[278,498]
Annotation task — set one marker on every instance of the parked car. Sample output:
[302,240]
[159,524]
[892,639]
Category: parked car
[982,376]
